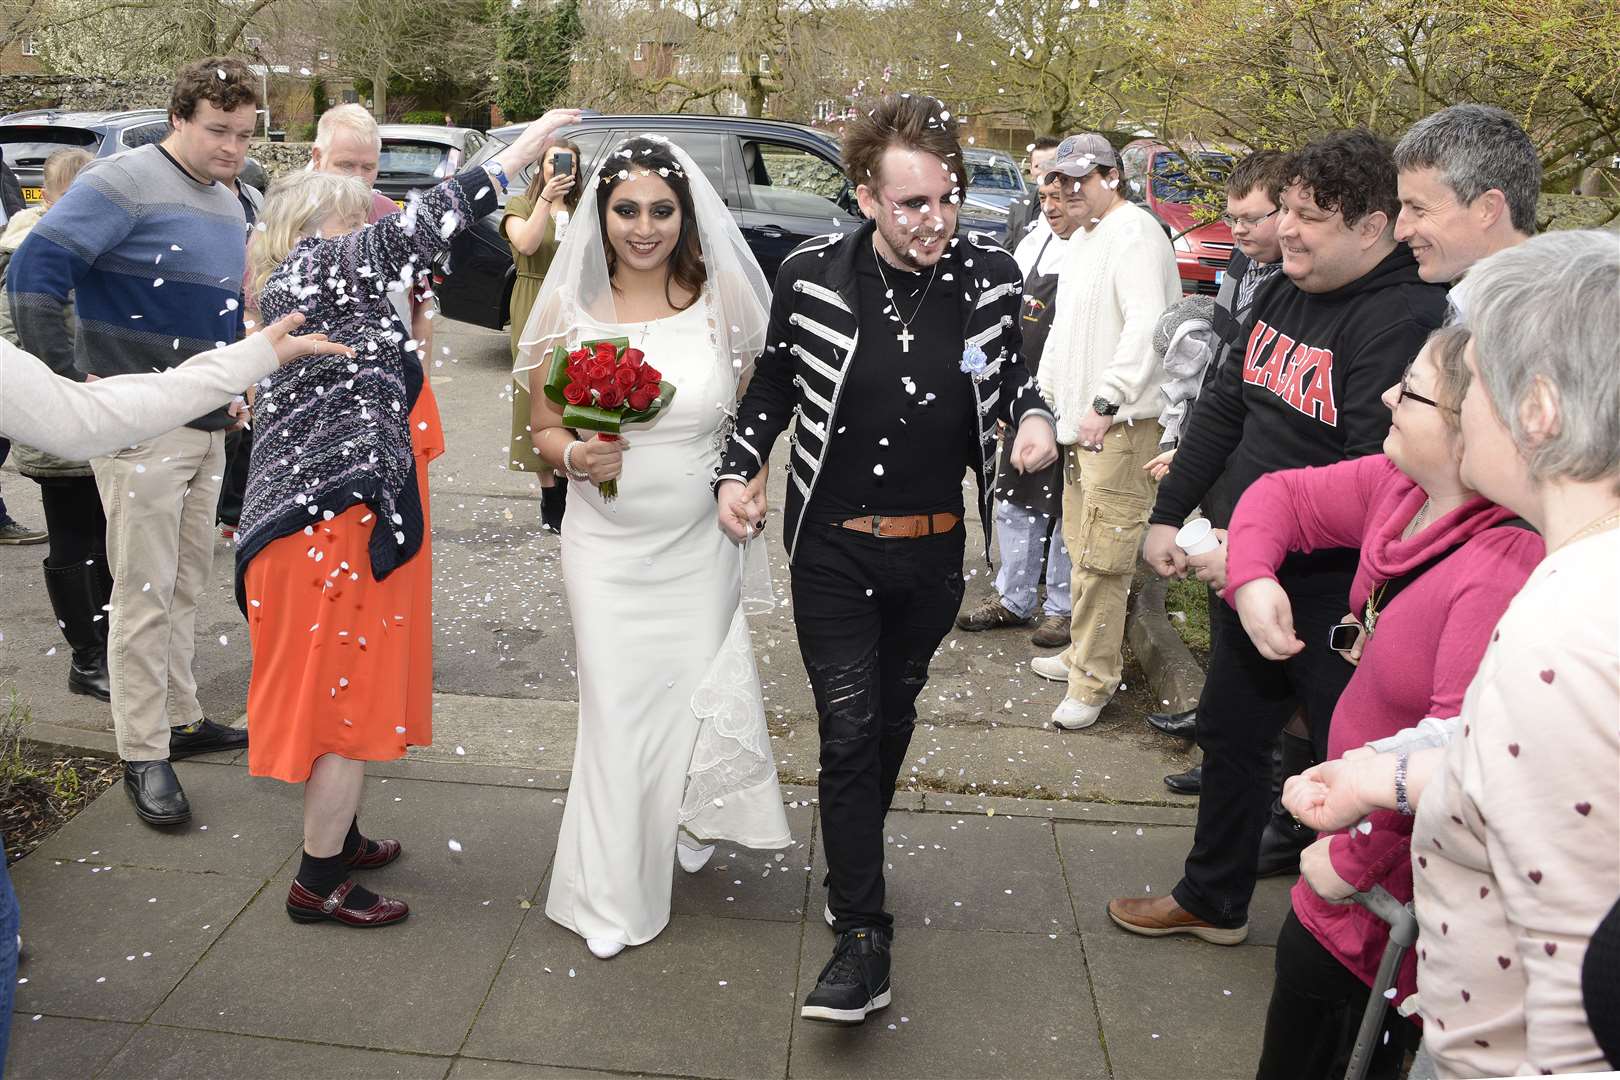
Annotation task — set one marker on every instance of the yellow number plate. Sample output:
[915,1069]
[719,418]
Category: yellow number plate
[33,195]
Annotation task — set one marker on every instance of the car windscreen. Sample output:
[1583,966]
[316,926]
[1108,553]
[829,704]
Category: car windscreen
[994,175]
[1174,182]
[27,147]
[417,159]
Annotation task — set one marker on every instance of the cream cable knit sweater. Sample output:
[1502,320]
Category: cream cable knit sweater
[1116,281]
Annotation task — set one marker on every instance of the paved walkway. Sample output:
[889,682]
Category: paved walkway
[168,954]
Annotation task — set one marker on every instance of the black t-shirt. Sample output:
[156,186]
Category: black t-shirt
[904,433]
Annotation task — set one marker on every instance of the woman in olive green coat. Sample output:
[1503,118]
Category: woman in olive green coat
[533,224]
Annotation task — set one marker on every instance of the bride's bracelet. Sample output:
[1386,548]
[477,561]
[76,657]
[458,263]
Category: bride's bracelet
[568,463]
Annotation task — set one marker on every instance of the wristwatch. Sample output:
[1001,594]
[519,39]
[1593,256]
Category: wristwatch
[496,173]
[1103,407]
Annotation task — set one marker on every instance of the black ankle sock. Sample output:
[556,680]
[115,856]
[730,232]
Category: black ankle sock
[321,876]
[354,843]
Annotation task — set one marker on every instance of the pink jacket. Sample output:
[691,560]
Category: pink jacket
[1428,645]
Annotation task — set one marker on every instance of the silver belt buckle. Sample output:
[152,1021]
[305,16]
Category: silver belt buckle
[877,525]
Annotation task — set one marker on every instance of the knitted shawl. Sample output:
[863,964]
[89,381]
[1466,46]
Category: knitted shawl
[331,431]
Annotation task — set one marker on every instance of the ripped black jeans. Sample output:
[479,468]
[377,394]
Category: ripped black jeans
[869,613]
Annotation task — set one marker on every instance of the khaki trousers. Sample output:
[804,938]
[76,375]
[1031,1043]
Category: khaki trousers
[1107,496]
[160,498]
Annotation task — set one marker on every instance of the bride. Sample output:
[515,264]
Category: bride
[672,752]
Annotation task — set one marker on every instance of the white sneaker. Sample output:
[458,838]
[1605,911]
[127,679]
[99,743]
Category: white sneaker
[603,949]
[691,858]
[1072,715]
[1050,667]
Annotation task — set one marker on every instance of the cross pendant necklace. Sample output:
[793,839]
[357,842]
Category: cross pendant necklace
[905,337]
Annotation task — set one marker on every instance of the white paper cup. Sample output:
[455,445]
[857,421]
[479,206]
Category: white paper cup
[1197,537]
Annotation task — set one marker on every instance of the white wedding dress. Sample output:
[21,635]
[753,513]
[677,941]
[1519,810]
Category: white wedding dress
[671,722]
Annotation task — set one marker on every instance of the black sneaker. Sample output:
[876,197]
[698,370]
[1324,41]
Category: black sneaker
[855,981]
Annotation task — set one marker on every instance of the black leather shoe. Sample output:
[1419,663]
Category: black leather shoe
[205,737]
[1281,844]
[1182,725]
[1190,782]
[156,792]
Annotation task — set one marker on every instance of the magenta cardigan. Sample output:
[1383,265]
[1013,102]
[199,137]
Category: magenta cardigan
[1429,643]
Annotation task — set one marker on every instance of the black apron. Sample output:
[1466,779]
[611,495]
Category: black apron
[1040,492]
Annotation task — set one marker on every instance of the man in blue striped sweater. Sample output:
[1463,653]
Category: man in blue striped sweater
[149,245]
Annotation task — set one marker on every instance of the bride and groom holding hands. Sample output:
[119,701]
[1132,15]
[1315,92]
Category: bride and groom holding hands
[894,350]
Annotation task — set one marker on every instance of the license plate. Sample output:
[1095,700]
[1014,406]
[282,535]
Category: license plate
[1220,276]
[33,195]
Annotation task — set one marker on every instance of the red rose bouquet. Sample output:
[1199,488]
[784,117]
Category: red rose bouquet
[603,385]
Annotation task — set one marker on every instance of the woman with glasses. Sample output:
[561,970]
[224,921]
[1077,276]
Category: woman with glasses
[1439,564]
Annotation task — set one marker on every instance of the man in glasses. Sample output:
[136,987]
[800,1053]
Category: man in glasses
[1322,346]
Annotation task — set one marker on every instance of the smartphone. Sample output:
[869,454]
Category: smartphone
[1342,638]
[562,163]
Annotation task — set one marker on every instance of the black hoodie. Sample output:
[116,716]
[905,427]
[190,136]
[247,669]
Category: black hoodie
[1307,389]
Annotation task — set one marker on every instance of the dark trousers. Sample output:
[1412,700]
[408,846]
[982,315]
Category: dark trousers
[74,518]
[869,613]
[233,486]
[1315,1012]
[1246,701]
[5,452]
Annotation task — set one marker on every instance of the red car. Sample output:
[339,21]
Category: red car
[1158,180]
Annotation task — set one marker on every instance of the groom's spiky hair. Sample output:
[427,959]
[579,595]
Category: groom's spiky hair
[910,121]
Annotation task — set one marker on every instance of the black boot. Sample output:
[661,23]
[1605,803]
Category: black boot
[1284,837]
[553,503]
[75,593]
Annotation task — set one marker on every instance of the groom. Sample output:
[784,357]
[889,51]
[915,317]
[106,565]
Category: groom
[896,351]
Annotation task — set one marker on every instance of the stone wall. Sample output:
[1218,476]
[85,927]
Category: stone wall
[280,158]
[72,92]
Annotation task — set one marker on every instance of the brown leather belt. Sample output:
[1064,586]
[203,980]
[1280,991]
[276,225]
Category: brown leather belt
[908,527]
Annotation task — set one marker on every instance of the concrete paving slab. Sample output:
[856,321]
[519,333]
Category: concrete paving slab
[413,987]
[478,1069]
[741,883]
[1105,861]
[970,873]
[507,838]
[533,733]
[61,1048]
[1166,1013]
[240,825]
[90,930]
[165,1053]
[1063,810]
[707,997]
[966,1004]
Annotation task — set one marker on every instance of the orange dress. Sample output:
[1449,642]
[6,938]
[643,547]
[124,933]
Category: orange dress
[342,663]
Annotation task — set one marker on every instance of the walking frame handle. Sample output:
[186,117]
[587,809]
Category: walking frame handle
[1403,930]
[1403,926]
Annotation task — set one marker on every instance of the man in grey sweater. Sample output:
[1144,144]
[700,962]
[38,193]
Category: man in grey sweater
[150,246]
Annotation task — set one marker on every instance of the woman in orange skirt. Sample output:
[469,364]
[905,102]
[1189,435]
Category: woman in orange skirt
[333,555]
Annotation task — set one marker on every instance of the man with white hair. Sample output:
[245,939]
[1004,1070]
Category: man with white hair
[347,143]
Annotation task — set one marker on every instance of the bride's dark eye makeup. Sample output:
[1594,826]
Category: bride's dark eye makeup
[629,209]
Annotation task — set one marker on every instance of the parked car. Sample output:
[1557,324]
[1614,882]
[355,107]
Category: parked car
[783,183]
[28,138]
[1159,179]
[417,156]
[994,179]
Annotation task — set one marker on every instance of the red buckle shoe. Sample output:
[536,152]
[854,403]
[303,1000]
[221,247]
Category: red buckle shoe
[305,907]
[387,851]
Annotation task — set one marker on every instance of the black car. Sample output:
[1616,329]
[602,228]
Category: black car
[782,181]
[28,138]
[417,156]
